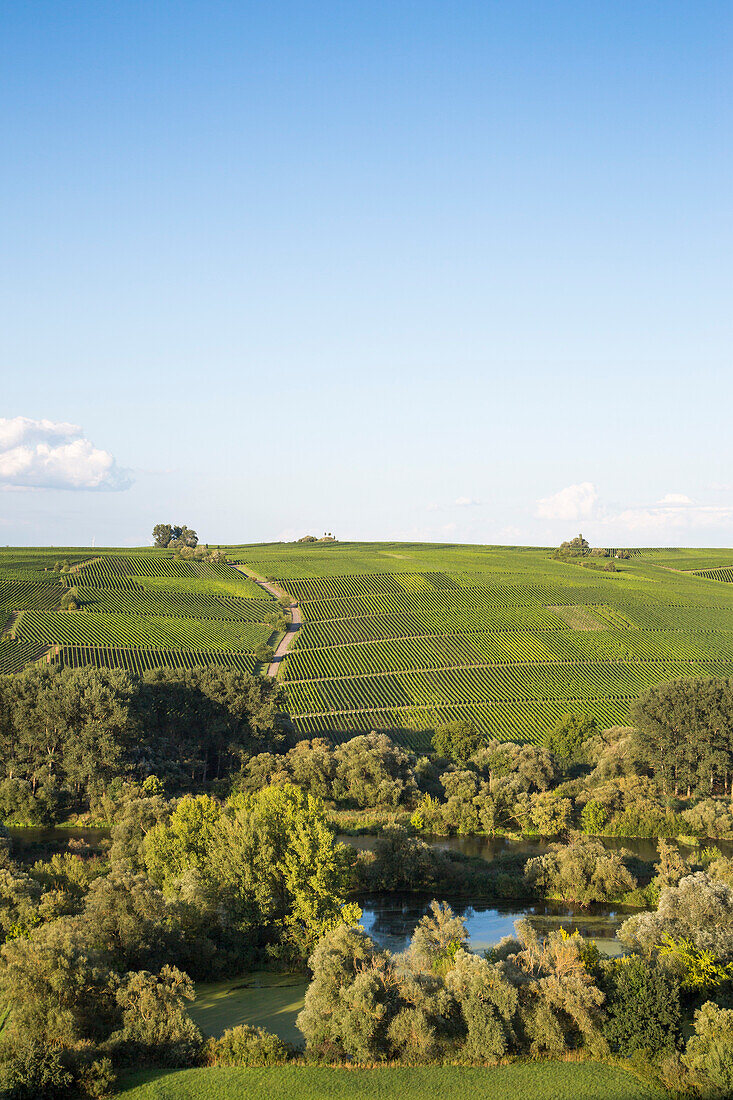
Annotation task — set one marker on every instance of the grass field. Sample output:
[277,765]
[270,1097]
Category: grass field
[263,999]
[397,637]
[522,1081]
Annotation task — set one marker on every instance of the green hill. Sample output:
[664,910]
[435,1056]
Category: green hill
[395,636]
[403,637]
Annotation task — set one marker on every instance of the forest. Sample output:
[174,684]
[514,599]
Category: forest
[223,857]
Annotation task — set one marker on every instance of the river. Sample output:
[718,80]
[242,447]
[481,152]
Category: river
[390,919]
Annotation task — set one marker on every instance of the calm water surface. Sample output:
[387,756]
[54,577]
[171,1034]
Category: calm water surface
[390,919]
[489,847]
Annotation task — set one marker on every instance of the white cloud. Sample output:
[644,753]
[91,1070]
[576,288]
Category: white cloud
[42,454]
[571,503]
[466,502]
[673,512]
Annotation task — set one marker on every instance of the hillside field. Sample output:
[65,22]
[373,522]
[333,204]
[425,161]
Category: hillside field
[395,637]
[403,637]
[139,610]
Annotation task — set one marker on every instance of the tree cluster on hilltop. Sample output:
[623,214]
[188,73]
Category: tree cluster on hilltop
[579,552]
[171,536]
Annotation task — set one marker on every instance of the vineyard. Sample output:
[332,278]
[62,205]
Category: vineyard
[135,610]
[395,637]
[404,637]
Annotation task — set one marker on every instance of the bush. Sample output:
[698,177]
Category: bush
[156,1029]
[32,1069]
[95,1076]
[566,740]
[457,741]
[580,872]
[710,817]
[247,1046]
[264,654]
[593,818]
[709,1054]
[643,1007]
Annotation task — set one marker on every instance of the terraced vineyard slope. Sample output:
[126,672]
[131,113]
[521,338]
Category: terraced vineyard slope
[137,610]
[395,637]
[404,637]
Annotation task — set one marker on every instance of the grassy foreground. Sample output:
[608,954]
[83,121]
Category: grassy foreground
[260,998]
[521,1081]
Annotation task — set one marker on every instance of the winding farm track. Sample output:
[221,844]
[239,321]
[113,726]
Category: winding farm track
[294,626]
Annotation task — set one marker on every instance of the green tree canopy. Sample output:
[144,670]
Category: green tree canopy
[269,860]
[457,741]
[569,735]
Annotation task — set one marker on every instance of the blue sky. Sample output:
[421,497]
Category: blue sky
[442,271]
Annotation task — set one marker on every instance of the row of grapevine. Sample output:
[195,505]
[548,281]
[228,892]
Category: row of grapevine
[108,581]
[411,726]
[156,565]
[138,609]
[443,650]
[437,618]
[140,660]
[155,631]
[677,616]
[186,604]
[17,559]
[16,595]
[716,574]
[337,632]
[441,687]
[387,592]
[148,565]
[14,655]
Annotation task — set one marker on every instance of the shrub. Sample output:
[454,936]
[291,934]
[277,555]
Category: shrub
[643,1007]
[567,738]
[99,1078]
[580,872]
[710,818]
[32,1069]
[156,1029]
[247,1046]
[593,818]
[457,741]
[709,1053]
